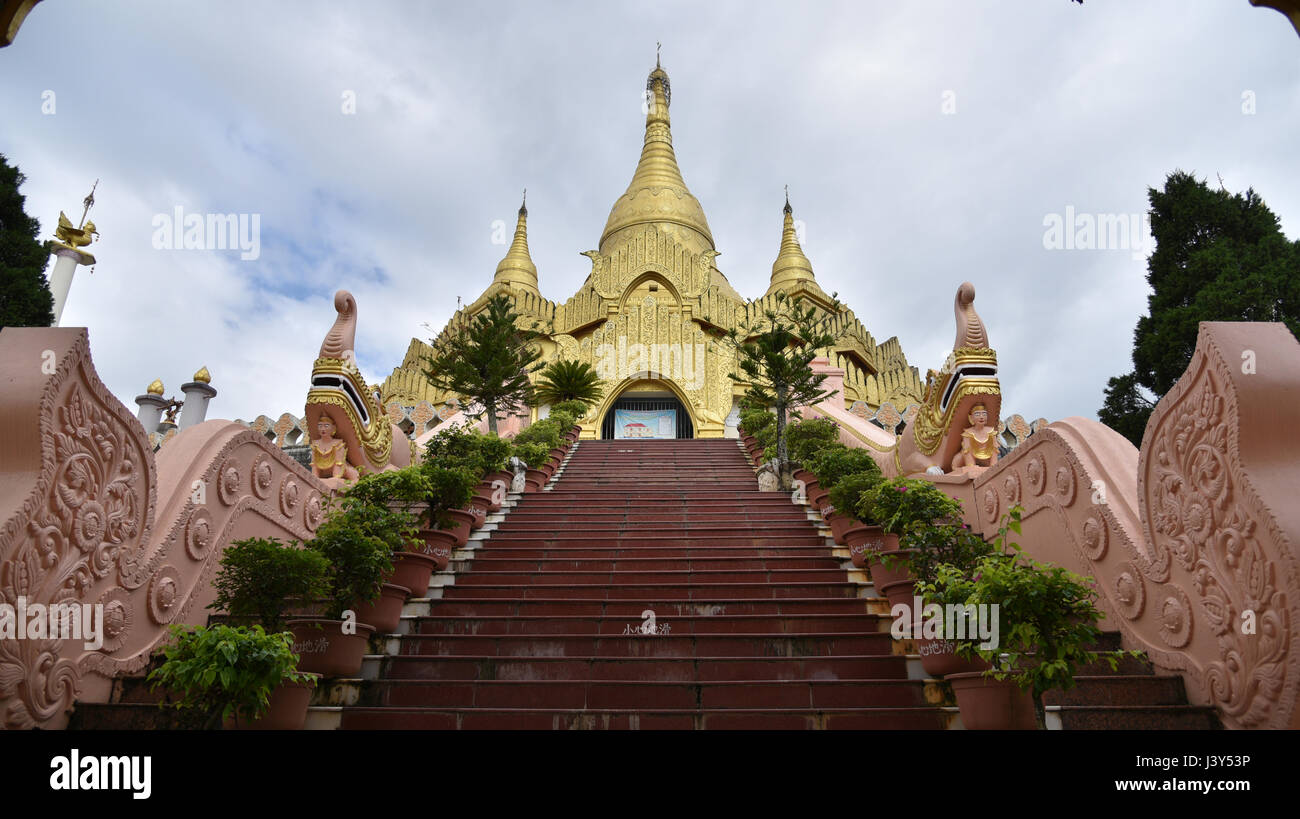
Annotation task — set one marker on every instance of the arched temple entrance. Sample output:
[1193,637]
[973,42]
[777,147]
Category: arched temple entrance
[652,417]
[647,409]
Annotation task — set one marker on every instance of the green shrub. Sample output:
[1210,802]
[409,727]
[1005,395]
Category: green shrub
[546,431]
[833,463]
[450,487]
[535,454]
[577,409]
[846,495]
[258,576]
[1047,616]
[805,437]
[898,503]
[463,447]
[755,419]
[224,671]
[360,558]
[948,544]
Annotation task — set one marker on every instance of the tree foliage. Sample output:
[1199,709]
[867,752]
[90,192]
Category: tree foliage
[487,360]
[569,381]
[25,299]
[774,353]
[1219,257]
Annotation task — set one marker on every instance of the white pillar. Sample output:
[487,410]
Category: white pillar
[197,396]
[65,267]
[151,407]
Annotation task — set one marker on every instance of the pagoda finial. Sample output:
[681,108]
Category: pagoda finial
[657,47]
[791,267]
[517,268]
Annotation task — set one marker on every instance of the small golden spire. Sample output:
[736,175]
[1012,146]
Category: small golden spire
[791,264]
[517,268]
[155,388]
[203,376]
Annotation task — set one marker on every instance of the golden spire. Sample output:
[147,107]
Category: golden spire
[155,388]
[791,266]
[203,376]
[657,192]
[517,268]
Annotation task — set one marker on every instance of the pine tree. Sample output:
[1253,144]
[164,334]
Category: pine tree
[487,360]
[1218,257]
[775,353]
[25,299]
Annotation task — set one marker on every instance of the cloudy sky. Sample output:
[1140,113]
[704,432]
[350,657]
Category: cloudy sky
[924,144]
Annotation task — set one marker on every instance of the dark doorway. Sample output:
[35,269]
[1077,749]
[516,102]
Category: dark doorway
[684,428]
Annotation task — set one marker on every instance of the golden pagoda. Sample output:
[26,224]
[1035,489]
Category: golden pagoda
[644,316]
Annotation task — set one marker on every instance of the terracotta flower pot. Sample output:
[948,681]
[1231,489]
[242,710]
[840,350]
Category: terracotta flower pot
[559,453]
[899,593]
[327,650]
[462,520]
[817,496]
[478,507]
[288,711]
[386,612]
[414,570]
[535,479]
[882,575]
[863,539]
[840,524]
[572,435]
[488,490]
[438,544]
[991,705]
[939,658]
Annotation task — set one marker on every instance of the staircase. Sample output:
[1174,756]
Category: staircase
[758,623]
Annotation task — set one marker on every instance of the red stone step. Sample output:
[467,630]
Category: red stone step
[655,592]
[614,624]
[644,669]
[663,645]
[776,719]
[468,605]
[487,560]
[674,577]
[597,694]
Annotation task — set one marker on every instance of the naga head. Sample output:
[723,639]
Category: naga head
[339,395]
[967,379]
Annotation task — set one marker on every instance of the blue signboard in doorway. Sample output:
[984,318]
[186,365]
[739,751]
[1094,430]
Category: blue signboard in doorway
[645,423]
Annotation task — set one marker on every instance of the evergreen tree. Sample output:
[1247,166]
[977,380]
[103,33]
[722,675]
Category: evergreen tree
[1218,257]
[25,299]
[775,354]
[487,360]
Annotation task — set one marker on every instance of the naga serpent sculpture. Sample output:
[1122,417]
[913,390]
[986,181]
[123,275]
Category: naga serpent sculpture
[969,377]
[339,395]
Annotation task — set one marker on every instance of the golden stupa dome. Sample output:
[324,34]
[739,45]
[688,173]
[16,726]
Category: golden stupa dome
[517,268]
[657,192]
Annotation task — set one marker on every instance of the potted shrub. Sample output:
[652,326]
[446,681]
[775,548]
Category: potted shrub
[360,552]
[832,464]
[449,491]
[386,505]
[576,409]
[860,533]
[241,676]
[928,546]
[259,576]
[534,454]
[805,438]
[897,505]
[1047,618]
